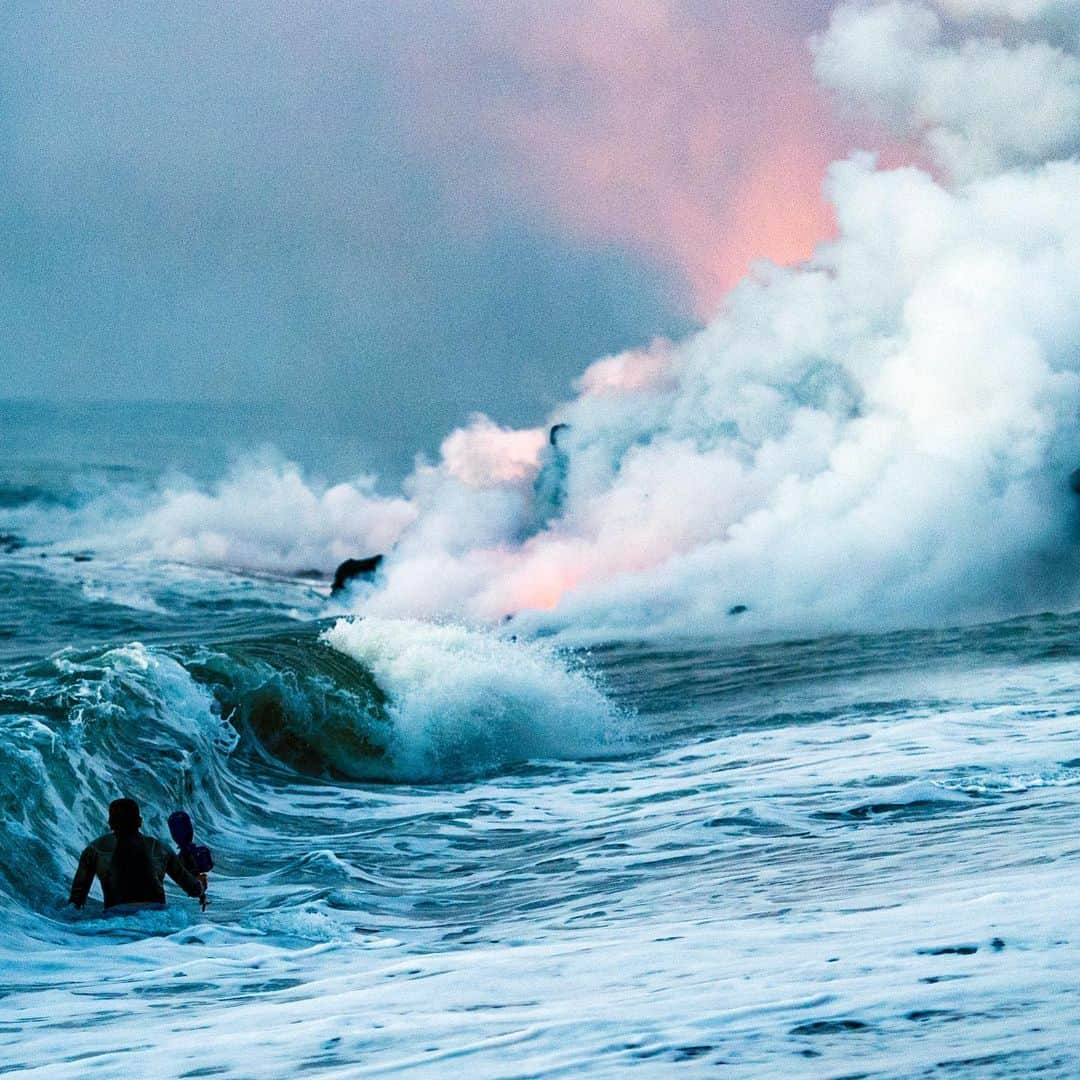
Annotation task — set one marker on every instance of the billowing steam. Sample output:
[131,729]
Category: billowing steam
[981,105]
[883,435]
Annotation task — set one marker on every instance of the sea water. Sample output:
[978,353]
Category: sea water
[444,848]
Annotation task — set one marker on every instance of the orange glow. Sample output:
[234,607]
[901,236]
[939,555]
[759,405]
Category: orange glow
[551,567]
[693,134]
[777,213]
[544,592]
[700,140]
[627,372]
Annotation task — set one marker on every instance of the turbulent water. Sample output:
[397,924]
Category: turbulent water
[442,848]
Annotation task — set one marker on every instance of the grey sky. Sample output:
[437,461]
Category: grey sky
[229,202]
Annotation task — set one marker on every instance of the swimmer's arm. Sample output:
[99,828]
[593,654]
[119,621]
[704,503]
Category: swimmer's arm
[84,878]
[183,877]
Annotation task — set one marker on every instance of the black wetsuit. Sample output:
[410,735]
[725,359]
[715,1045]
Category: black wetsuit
[137,876]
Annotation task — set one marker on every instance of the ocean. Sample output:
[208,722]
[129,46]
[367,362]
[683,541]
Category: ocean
[443,845]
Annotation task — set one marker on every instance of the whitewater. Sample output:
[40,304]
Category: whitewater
[437,845]
[726,719]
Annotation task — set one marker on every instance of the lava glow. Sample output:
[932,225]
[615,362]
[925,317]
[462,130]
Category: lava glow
[542,588]
[628,372]
[485,455]
[694,136]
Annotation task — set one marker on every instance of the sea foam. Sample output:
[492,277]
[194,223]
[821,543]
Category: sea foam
[464,701]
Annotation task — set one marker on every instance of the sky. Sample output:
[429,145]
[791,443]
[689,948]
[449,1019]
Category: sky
[415,209]
[465,221]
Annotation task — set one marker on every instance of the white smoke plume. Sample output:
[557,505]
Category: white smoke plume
[264,515]
[885,434]
[980,103]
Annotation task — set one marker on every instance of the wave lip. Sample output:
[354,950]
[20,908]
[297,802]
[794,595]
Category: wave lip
[79,730]
[463,702]
[918,798]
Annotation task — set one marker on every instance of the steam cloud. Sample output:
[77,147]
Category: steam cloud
[981,106]
[881,436]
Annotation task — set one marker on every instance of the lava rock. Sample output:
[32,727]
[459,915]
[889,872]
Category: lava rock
[355,568]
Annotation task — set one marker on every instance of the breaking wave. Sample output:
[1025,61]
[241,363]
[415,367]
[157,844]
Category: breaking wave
[459,701]
[378,700]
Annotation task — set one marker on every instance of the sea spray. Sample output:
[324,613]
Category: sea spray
[465,702]
[884,436]
[77,732]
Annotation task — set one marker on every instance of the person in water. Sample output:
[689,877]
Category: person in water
[131,867]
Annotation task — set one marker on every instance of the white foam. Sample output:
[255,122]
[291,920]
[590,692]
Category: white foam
[884,945]
[466,701]
[264,514]
[121,596]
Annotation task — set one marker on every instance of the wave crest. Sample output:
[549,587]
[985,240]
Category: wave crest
[463,701]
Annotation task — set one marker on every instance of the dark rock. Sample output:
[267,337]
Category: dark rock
[549,487]
[1074,480]
[688,1053]
[828,1027]
[737,609]
[920,1015]
[355,568]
